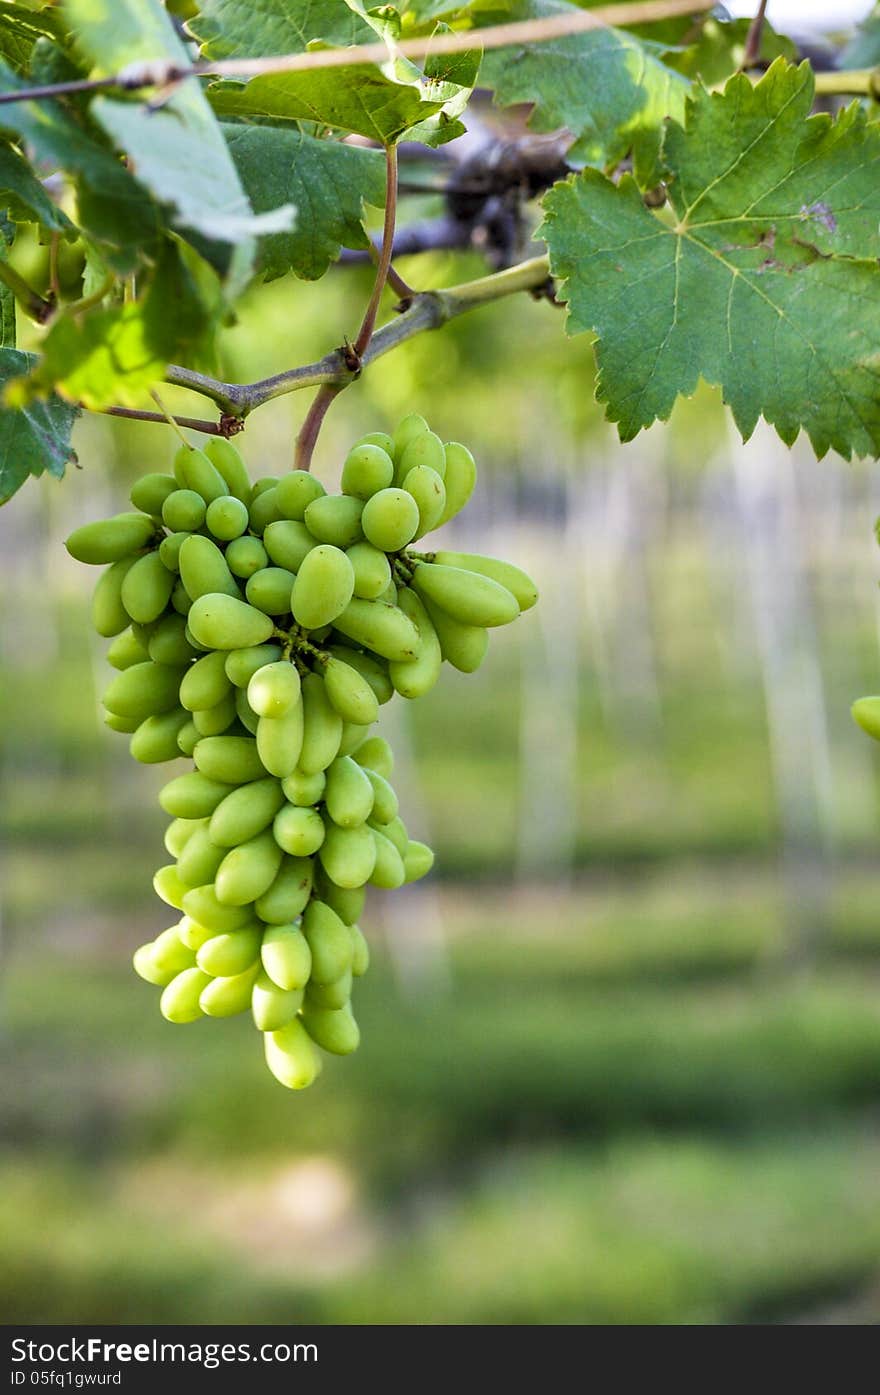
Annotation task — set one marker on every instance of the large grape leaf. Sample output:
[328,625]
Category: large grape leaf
[611,89]
[32,439]
[20,28]
[326,181]
[23,195]
[761,276]
[243,29]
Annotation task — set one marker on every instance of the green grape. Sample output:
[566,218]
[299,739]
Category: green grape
[184,511]
[514,579]
[385,805]
[169,550]
[348,855]
[245,556]
[177,465]
[418,676]
[295,492]
[289,893]
[265,482]
[200,475]
[143,689]
[143,633]
[155,739]
[425,449]
[301,789]
[376,754]
[168,886]
[349,795]
[245,812]
[200,902]
[197,864]
[179,832]
[269,590]
[264,510]
[205,683]
[333,995]
[390,519]
[411,426]
[322,730]
[109,615]
[273,1007]
[468,597]
[279,741]
[187,738]
[203,570]
[142,962]
[336,1031]
[232,759]
[299,832]
[360,951]
[126,650]
[866,712]
[350,693]
[329,942]
[231,952]
[168,643]
[371,570]
[322,588]
[352,736]
[170,955]
[418,861]
[246,714]
[224,997]
[150,492]
[347,902]
[429,492]
[248,870]
[181,600]
[336,519]
[394,830]
[242,664]
[192,796]
[291,1056]
[193,934]
[463,646]
[111,539]
[375,671]
[388,871]
[214,721]
[288,543]
[286,956]
[227,518]
[222,622]
[180,1000]
[274,689]
[458,481]
[367,469]
[228,463]
[378,438]
[381,627]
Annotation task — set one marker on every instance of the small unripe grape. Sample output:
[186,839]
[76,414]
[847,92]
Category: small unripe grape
[227,461]
[423,449]
[227,517]
[410,427]
[226,996]
[322,588]
[516,581]
[366,470]
[222,622]
[418,860]
[201,904]
[109,615]
[335,519]
[289,893]
[110,539]
[242,664]
[156,738]
[245,556]
[231,951]
[273,1007]
[294,493]
[200,474]
[234,760]
[126,650]
[274,689]
[270,590]
[286,956]
[213,721]
[205,683]
[292,1056]
[288,543]
[264,510]
[168,643]
[329,942]
[184,511]
[245,812]
[378,438]
[372,572]
[248,870]
[348,855]
[322,727]
[458,481]
[299,832]
[150,492]
[333,1029]
[192,796]
[469,597]
[429,492]
[279,741]
[350,693]
[390,519]
[381,627]
[376,754]
[301,789]
[203,570]
[180,1000]
[333,995]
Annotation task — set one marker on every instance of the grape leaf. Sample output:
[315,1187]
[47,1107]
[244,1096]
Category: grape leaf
[764,279]
[32,439]
[24,196]
[863,49]
[609,88]
[20,28]
[8,326]
[720,48]
[326,181]
[241,29]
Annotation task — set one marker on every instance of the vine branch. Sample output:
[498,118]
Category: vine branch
[39,309]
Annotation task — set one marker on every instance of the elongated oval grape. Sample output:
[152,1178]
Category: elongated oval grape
[227,517]
[376,754]
[294,493]
[111,539]
[288,543]
[242,664]
[394,830]
[156,738]
[390,519]
[286,956]
[226,996]
[347,902]
[299,832]
[150,492]
[203,570]
[388,871]
[273,1007]
[205,683]
[349,794]
[126,650]
[458,481]
[246,556]
[214,721]
[469,597]
[336,519]
[231,952]
[109,615]
[350,693]
[411,426]
[233,759]
[230,466]
[168,643]
[245,812]
[222,622]
[323,587]
[429,492]
[463,646]
[288,894]
[348,855]
[180,1000]
[516,581]
[385,805]
[123,724]
[192,934]
[168,886]
[866,712]
[381,627]
[246,714]
[370,569]
[182,603]
[263,483]
[201,904]
[279,741]
[201,475]
[170,955]
[143,689]
[264,510]
[333,995]
[270,590]
[418,860]
[304,790]
[274,689]
[248,870]
[360,951]
[143,965]
[418,676]
[352,736]
[322,729]
[374,670]
[184,511]
[179,832]
[187,738]
[425,449]
[291,1056]
[197,864]
[192,796]
[378,438]
[169,550]
[334,1030]
[367,469]
[329,941]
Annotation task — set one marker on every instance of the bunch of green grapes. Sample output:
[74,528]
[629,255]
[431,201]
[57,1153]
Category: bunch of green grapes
[257,629]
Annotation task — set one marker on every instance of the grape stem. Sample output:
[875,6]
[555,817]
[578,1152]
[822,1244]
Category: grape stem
[34,305]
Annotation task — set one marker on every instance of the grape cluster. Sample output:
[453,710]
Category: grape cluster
[256,630]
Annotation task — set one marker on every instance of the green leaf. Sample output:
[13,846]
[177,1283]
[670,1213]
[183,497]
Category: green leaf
[32,439]
[863,50]
[241,29]
[20,28]
[8,324]
[24,196]
[609,88]
[327,182]
[719,51]
[761,276]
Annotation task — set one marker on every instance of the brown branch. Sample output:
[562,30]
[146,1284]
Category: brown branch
[383,266]
[753,38]
[209,428]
